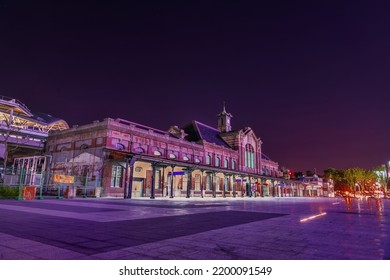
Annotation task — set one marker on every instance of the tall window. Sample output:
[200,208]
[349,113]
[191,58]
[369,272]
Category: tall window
[116,176]
[225,163]
[249,156]
[208,182]
[217,161]
[197,181]
[218,183]
[208,159]
[233,165]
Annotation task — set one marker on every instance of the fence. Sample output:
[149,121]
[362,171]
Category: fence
[29,185]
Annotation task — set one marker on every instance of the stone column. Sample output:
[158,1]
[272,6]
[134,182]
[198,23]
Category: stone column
[189,180]
[130,191]
[261,187]
[125,189]
[173,168]
[214,187]
[152,192]
[201,183]
[234,185]
[224,186]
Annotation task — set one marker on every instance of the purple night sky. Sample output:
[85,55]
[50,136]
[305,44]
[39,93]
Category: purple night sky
[311,79]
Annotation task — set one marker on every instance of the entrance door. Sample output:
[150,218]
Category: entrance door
[138,187]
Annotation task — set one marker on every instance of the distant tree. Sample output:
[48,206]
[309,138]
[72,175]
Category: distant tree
[309,173]
[298,175]
[330,173]
[365,179]
[340,184]
[351,177]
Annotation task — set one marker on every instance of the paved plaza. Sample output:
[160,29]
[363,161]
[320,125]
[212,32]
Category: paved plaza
[242,228]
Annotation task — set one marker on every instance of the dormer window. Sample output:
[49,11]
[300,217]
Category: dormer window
[119,146]
[139,150]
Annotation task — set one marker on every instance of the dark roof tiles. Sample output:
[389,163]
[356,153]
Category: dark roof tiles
[198,131]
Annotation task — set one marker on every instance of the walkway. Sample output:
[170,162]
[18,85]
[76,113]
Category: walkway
[245,228]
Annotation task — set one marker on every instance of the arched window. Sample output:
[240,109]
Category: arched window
[249,156]
[217,161]
[233,165]
[185,158]
[157,153]
[226,163]
[208,159]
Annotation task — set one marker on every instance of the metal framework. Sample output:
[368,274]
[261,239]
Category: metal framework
[16,116]
[32,169]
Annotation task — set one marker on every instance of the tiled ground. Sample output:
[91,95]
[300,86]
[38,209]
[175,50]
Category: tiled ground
[244,228]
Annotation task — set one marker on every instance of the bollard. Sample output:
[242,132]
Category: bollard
[59,192]
[41,188]
[20,197]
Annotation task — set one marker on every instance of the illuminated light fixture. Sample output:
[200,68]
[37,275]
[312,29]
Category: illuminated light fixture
[312,217]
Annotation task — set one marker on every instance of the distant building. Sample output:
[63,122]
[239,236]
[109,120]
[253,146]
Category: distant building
[133,160]
[316,186]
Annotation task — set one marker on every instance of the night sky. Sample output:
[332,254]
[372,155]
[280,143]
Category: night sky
[312,79]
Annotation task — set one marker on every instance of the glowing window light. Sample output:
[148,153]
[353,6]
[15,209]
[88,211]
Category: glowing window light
[312,217]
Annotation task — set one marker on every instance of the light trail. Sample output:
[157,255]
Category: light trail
[313,217]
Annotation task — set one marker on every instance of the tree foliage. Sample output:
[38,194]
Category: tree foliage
[357,179]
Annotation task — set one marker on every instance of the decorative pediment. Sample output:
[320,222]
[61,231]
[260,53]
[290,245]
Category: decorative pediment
[177,132]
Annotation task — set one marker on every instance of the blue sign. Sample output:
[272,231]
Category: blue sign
[176,173]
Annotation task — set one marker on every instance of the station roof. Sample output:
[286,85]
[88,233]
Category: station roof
[198,131]
[23,115]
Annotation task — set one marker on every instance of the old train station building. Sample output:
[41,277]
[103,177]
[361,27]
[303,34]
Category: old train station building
[132,160]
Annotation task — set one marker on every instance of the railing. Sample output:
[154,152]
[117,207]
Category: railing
[24,130]
[43,185]
[13,100]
